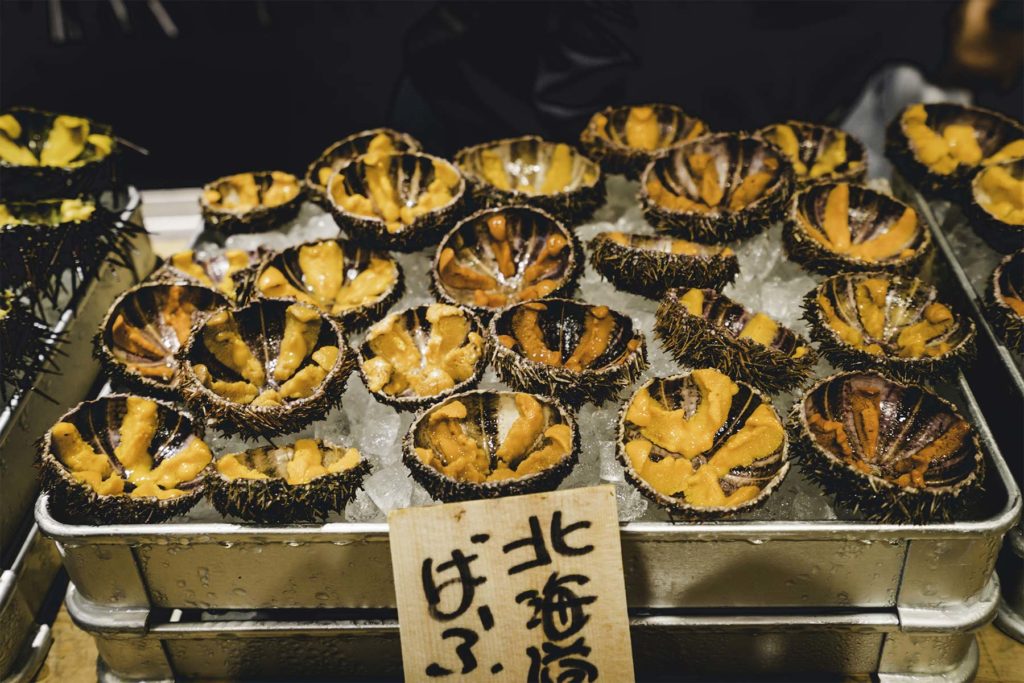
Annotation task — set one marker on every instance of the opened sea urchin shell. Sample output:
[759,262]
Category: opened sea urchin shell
[625,139]
[145,327]
[422,355]
[251,202]
[397,201]
[567,349]
[368,142]
[702,445]
[231,271]
[487,444]
[266,369]
[299,482]
[123,459]
[893,323]
[717,188]
[819,153]
[889,451]
[996,204]
[938,147]
[351,283]
[499,257]
[703,328]
[649,265]
[528,170]
[1005,300]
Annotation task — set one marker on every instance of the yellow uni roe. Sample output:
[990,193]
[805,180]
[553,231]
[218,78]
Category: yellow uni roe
[1001,194]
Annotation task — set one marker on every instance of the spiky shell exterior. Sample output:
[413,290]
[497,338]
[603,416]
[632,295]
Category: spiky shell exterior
[27,344]
[1007,322]
[77,502]
[678,508]
[815,257]
[873,497]
[810,137]
[257,219]
[952,186]
[38,182]
[697,342]
[591,385]
[416,403]
[449,490]
[848,357]
[425,229]
[631,161]
[649,273]
[274,501]
[1002,236]
[573,207]
[263,422]
[720,226]
[347,149]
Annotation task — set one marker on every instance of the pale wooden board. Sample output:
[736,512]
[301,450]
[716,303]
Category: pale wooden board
[435,532]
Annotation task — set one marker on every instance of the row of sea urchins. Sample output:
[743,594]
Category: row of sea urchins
[540,441]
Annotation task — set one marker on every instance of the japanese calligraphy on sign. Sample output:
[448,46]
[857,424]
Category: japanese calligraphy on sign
[527,588]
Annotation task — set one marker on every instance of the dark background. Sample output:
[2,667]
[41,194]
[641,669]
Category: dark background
[256,85]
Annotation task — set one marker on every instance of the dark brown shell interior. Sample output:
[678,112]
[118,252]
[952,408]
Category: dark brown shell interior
[1008,279]
[525,162]
[732,317]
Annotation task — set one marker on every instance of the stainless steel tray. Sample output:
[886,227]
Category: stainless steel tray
[24,590]
[1010,619]
[30,414]
[898,645]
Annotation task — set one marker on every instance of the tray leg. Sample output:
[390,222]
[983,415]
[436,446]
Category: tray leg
[964,672]
[32,657]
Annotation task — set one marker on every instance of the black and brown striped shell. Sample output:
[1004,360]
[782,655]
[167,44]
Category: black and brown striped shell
[278,198]
[513,254]
[871,216]
[515,171]
[1002,235]
[274,500]
[345,150]
[99,423]
[605,138]
[813,143]
[992,132]
[354,262]
[143,329]
[648,265]
[489,416]
[712,339]
[412,176]
[839,312]
[863,437]
[261,326]
[1004,301]
[541,347]
[738,161]
[681,392]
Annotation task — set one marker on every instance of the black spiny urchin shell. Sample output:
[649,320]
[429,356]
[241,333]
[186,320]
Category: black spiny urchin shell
[417,321]
[871,216]
[812,142]
[905,304]
[410,174]
[274,500]
[261,326]
[483,408]
[480,243]
[648,266]
[735,158]
[681,391]
[27,344]
[353,260]
[712,340]
[260,217]
[523,164]
[560,326]
[1007,283]
[910,419]
[99,421]
[92,172]
[1000,234]
[992,131]
[344,151]
[605,138]
[148,309]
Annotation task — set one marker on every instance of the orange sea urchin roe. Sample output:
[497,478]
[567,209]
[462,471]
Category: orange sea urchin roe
[240,193]
[896,241]
[941,151]
[598,326]
[1002,194]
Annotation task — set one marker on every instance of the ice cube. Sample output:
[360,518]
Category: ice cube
[390,487]
[362,509]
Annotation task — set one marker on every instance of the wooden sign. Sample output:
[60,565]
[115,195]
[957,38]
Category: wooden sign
[526,588]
